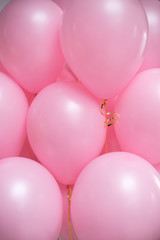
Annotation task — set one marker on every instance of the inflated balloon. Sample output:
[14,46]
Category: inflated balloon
[29,45]
[138,128]
[13,114]
[65,230]
[31,202]
[104,42]
[66,129]
[116,197]
[152,54]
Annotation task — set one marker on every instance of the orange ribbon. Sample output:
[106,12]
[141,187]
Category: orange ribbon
[69,210]
[108,122]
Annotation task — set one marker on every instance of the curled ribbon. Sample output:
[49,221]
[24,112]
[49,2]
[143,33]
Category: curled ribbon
[109,121]
[112,120]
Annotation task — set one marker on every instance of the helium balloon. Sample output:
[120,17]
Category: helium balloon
[29,45]
[117,197]
[66,129]
[30,201]
[13,114]
[152,54]
[104,42]
[138,128]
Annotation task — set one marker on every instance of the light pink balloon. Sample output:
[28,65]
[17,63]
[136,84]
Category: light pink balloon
[104,42]
[65,233]
[65,129]
[117,197]
[138,129]
[13,113]
[30,201]
[29,42]
[152,54]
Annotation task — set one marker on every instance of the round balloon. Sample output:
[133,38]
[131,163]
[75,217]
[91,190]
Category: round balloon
[66,129]
[152,54]
[13,114]
[138,128]
[29,46]
[30,201]
[104,42]
[117,197]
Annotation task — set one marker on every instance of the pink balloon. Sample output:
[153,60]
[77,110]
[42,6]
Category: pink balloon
[29,42]
[138,129]
[65,233]
[117,197]
[104,42]
[152,54]
[65,129]
[13,113]
[31,203]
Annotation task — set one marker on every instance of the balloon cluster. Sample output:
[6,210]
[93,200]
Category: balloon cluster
[70,69]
